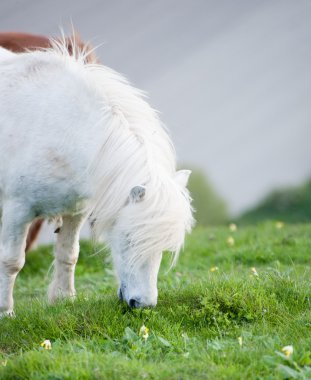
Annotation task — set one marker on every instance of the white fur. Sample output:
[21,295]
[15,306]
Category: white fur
[4,53]
[76,138]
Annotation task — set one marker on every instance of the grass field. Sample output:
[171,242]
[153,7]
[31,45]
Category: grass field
[225,323]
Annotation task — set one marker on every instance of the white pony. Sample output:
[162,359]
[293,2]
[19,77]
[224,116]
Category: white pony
[78,142]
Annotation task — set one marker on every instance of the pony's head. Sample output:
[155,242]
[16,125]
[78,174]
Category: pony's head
[154,219]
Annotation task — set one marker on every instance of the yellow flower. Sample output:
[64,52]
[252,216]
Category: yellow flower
[254,271]
[4,363]
[46,344]
[213,269]
[240,340]
[230,241]
[288,350]
[279,225]
[144,332]
[233,227]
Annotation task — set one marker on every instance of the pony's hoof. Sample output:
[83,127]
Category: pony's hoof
[57,294]
[9,313]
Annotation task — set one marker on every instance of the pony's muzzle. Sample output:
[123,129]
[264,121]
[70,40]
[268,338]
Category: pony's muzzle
[134,303]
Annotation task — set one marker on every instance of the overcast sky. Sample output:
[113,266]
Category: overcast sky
[232,79]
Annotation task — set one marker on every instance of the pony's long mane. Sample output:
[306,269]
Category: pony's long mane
[136,150]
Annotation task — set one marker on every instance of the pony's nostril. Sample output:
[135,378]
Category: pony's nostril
[133,303]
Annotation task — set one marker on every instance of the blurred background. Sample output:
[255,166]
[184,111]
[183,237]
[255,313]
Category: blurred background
[232,80]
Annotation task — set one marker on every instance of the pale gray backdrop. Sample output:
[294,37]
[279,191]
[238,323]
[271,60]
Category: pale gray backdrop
[232,78]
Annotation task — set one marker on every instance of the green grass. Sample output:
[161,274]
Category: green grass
[194,330]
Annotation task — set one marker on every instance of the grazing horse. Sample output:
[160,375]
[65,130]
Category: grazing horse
[80,142]
[21,42]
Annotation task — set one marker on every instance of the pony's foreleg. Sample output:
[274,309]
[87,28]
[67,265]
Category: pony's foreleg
[66,257]
[12,251]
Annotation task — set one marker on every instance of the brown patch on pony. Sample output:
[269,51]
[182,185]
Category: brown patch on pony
[60,167]
[33,233]
[21,42]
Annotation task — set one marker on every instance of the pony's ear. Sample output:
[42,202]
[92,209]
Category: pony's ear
[137,193]
[182,176]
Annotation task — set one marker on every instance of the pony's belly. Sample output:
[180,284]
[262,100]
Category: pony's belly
[45,194]
[49,205]
[49,197]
